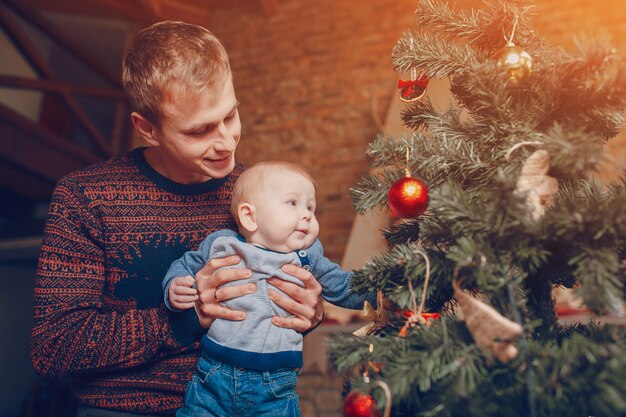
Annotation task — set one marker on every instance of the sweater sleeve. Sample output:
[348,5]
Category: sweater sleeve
[335,281]
[73,334]
[191,262]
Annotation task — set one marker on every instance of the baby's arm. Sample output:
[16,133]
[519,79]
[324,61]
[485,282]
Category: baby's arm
[182,293]
[335,281]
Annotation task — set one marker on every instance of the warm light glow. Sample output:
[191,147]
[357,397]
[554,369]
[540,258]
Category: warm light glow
[410,189]
[513,58]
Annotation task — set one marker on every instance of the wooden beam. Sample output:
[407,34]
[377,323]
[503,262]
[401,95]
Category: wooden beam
[64,41]
[24,184]
[125,10]
[34,157]
[57,86]
[121,121]
[28,127]
[32,54]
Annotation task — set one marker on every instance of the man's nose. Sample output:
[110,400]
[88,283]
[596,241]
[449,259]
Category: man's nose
[227,141]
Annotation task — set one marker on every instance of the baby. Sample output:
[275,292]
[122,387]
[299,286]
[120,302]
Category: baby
[252,363]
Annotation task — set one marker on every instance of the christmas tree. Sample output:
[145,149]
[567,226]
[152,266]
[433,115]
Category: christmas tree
[513,211]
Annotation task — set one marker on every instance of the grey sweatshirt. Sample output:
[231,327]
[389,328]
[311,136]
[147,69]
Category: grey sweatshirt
[255,343]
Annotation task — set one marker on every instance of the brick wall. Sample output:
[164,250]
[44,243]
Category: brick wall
[308,77]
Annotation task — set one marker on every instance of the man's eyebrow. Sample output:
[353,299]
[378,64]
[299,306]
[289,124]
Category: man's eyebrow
[207,126]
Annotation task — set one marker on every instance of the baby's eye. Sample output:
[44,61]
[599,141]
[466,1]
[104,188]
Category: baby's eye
[292,203]
[311,209]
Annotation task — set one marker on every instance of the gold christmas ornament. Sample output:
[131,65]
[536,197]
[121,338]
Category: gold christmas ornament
[492,332]
[515,62]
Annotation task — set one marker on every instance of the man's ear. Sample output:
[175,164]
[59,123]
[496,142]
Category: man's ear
[247,217]
[145,128]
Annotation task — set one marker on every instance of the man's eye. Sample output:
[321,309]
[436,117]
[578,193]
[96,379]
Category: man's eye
[198,133]
[231,116]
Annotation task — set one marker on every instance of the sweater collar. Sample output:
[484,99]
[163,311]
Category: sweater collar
[169,185]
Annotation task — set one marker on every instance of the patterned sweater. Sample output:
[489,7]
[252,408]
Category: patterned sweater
[113,230]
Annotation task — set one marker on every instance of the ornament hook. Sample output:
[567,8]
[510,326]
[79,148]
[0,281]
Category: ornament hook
[519,145]
[407,171]
[509,40]
[383,385]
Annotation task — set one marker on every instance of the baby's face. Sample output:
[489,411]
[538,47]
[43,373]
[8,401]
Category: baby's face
[285,213]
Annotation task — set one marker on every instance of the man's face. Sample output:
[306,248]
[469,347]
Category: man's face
[198,136]
[285,212]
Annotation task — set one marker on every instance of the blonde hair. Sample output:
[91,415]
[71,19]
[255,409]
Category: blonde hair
[255,178]
[171,56]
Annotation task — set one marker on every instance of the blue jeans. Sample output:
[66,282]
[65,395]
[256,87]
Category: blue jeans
[220,390]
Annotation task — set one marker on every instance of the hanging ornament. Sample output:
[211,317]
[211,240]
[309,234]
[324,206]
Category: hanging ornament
[537,184]
[493,333]
[415,88]
[416,314]
[359,404]
[377,317]
[408,197]
[514,61]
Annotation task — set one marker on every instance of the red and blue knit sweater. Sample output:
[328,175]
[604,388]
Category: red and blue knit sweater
[112,232]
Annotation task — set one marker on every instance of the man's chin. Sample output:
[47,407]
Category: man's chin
[216,171]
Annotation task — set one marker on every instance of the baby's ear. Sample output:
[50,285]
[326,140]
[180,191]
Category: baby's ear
[247,217]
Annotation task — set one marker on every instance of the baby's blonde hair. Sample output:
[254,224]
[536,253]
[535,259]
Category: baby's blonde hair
[255,178]
[171,58]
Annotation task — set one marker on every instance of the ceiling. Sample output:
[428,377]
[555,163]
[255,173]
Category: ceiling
[80,114]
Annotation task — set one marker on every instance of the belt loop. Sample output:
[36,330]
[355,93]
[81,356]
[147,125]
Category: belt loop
[266,376]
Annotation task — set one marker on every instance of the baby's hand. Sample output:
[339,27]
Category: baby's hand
[182,294]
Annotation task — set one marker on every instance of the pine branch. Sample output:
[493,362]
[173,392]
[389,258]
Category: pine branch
[572,154]
[487,29]
[584,98]
[390,273]
[598,271]
[438,355]
[433,56]
[439,17]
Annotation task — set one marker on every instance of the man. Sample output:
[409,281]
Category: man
[114,228]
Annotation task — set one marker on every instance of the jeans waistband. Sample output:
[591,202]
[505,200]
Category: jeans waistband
[235,371]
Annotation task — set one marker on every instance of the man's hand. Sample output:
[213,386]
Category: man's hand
[304,303]
[208,281]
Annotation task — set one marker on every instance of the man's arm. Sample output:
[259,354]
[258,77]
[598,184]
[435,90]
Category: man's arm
[72,333]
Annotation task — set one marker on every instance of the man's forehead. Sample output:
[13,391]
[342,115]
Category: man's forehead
[210,105]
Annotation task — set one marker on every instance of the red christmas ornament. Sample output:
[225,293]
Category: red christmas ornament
[408,197]
[358,404]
